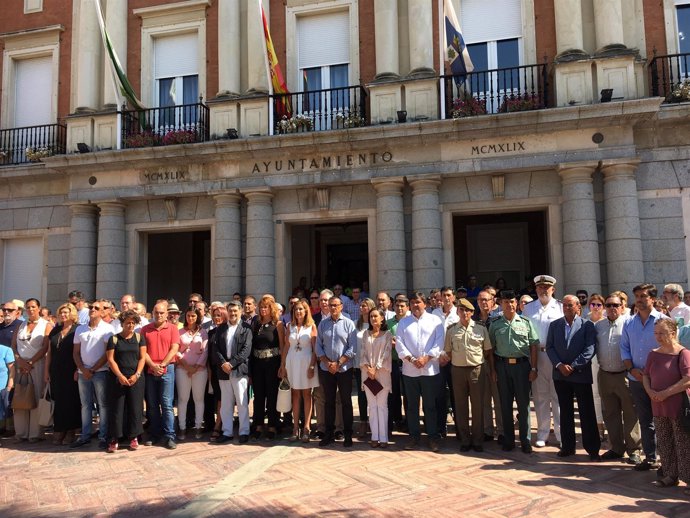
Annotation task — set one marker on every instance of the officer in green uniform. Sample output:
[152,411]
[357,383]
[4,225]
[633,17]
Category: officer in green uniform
[515,342]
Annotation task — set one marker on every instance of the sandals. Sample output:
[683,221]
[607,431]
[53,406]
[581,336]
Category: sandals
[295,436]
[305,435]
[214,435]
[666,482]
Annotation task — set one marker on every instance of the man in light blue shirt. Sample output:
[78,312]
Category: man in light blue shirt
[336,343]
[637,340]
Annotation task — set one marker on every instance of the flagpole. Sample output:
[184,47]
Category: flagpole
[441,55]
[268,69]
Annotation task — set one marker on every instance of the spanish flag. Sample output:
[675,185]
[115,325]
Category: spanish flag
[277,80]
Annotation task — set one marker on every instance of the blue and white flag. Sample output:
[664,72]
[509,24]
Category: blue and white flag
[456,51]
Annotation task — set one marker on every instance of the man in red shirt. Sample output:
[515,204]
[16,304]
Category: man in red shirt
[162,343]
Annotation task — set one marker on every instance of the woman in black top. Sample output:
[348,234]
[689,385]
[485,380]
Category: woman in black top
[60,373]
[267,344]
[126,353]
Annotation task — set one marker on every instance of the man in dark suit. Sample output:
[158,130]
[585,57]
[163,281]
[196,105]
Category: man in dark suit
[229,350]
[570,345]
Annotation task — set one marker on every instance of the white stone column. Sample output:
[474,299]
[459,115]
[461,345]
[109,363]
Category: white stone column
[608,23]
[624,265]
[420,17]
[87,67]
[256,59]
[116,23]
[569,30]
[227,259]
[387,57]
[81,272]
[581,263]
[390,236]
[427,249]
[111,270]
[260,255]
[229,45]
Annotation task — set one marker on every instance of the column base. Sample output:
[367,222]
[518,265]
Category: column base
[617,72]
[385,100]
[422,73]
[421,99]
[573,82]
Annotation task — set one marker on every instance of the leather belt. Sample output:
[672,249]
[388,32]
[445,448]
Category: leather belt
[616,372]
[512,361]
[265,354]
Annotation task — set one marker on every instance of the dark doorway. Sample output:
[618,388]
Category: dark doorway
[330,253]
[178,264]
[513,246]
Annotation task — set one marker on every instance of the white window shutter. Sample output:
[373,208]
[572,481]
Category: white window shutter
[490,20]
[33,92]
[176,56]
[22,274]
[323,39]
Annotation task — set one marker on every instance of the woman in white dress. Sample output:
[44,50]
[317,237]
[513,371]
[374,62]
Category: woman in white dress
[299,363]
[362,325]
[30,344]
[375,364]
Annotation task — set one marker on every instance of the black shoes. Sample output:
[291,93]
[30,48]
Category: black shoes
[464,448]
[479,448]
[327,439]
[611,455]
[221,439]
[526,448]
[171,445]
[347,442]
[565,453]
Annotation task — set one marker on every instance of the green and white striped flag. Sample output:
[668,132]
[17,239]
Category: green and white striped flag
[119,77]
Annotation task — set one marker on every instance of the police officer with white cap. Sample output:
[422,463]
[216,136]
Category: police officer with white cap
[542,312]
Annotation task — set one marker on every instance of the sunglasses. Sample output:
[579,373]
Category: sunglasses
[612,305]
[95,308]
[8,309]
[596,304]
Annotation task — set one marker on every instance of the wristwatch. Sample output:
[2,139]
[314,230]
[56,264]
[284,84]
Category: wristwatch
[534,369]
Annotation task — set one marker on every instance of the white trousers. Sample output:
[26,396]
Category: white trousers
[377,406]
[197,386]
[546,400]
[234,392]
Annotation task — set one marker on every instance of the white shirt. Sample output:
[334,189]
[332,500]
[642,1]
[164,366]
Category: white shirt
[681,314]
[230,339]
[449,319]
[542,316]
[418,337]
[93,342]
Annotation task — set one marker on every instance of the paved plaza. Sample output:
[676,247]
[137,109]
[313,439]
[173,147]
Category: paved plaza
[285,479]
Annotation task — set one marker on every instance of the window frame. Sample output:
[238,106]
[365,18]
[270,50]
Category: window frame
[28,45]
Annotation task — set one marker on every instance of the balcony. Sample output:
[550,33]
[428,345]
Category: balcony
[318,110]
[165,126]
[31,143]
[669,75]
[502,90]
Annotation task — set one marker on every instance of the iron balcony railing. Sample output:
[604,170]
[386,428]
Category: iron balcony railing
[31,143]
[318,110]
[500,90]
[165,126]
[670,77]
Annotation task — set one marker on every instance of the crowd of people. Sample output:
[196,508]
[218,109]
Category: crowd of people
[476,353]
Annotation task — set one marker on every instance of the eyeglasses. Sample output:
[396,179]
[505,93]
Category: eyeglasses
[612,305]
[95,308]
[334,305]
[596,304]
[8,310]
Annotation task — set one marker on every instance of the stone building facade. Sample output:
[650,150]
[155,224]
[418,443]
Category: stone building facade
[593,192]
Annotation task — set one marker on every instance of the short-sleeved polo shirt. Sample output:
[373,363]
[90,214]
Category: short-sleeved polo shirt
[159,340]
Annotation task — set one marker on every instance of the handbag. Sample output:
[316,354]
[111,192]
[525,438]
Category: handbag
[24,397]
[46,405]
[373,384]
[685,406]
[284,402]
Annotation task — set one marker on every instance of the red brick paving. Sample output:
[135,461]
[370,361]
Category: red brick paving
[45,480]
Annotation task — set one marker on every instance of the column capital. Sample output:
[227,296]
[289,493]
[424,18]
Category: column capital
[425,184]
[112,208]
[577,172]
[259,197]
[83,209]
[619,168]
[388,186]
[227,200]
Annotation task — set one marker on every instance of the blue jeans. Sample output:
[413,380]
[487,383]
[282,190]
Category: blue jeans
[160,391]
[643,407]
[87,389]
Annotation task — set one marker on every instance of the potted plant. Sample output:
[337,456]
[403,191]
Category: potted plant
[520,103]
[143,139]
[35,154]
[680,93]
[296,123]
[349,119]
[467,107]
[179,137]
